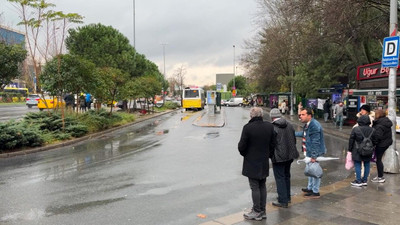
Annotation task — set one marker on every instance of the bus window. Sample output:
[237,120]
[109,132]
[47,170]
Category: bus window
[191,93]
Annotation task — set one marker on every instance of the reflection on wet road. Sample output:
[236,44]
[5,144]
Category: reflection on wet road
[160,171]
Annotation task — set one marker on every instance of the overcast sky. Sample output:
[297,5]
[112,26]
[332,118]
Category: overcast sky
[199,34]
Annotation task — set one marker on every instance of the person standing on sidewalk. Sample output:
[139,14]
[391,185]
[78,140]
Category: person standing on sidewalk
[282,157]
[327,109]
[338,113]
[383,139]
[256,141]
[356,137]
[313,145]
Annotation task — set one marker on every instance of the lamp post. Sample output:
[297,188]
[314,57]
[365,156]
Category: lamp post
[234,69]
[134,24]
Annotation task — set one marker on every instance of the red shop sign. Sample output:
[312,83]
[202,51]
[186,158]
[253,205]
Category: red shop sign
[372,71]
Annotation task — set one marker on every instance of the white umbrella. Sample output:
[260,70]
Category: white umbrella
[319,159]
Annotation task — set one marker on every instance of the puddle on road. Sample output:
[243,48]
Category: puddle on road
[68,209]
[211,135]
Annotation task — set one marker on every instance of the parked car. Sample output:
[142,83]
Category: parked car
[234,102]
[32,100]
[49,103]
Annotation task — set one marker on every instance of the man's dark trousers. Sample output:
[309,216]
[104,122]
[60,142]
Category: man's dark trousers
[258,194]
[282,179]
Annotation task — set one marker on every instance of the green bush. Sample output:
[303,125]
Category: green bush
[15,135]
[100,120]
[171,105]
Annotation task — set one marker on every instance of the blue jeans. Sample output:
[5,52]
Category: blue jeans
[357,166]
[340,120]
[313,184]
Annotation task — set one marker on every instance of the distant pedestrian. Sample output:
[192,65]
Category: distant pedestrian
[282,157]
[283,107]
[82,103]
[355,140]
[327,109]
[88,100]
[299,108]
[256,141]
[338,113]
[383,139]
[313,144]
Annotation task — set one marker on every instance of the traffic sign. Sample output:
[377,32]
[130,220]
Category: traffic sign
[390,53]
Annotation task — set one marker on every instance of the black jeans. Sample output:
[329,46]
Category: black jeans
[379,165]
[282,180]
[258,194]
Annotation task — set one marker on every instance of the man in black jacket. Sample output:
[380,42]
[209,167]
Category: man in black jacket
[255,143]
[282,157]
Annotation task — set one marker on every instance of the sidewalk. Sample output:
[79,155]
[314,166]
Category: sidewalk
[378,203]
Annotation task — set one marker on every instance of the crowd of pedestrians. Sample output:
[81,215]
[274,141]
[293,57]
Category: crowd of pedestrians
[276,140]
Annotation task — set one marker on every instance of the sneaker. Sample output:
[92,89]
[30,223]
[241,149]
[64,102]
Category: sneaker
[264,215]
[312,195]
[356,183]
[364,183]
[253,215]
[306,190]
[378,180]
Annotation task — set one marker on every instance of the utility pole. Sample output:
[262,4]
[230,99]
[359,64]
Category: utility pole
[134,25]
[234,69]
[391,157]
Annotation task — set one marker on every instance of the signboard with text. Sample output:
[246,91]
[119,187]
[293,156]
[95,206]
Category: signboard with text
[390,53]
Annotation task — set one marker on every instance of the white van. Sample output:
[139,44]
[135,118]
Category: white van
[234,102]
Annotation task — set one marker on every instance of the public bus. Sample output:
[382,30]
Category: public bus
[15,94]
[23,91]
[193,98]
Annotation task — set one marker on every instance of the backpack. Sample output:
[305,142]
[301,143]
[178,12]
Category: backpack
[366,147]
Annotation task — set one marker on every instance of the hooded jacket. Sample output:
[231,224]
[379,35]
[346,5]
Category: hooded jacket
[383,132]
[255,143]
[356,136]
[285,148]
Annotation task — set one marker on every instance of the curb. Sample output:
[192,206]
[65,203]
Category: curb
[84,138]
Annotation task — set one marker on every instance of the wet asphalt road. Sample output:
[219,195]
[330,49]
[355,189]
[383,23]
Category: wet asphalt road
[15,112]
[160,171]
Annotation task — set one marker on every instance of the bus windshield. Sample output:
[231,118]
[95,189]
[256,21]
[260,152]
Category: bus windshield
[191,94]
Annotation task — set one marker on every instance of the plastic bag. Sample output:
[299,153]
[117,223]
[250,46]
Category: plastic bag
[373,158]
[313,170]
[349,161]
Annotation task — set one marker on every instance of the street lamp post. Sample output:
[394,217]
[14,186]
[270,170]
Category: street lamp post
[234,69]
[134,24]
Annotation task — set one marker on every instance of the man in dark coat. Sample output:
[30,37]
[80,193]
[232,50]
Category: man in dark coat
[282,157]
[357,136]
[255,143]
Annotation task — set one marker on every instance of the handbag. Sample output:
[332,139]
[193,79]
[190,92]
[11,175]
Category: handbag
[313,169]
[349,161]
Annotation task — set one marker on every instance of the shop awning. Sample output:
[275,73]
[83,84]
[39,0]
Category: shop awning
[372,92]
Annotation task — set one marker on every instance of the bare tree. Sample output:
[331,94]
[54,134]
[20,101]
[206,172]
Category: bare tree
[179,76]
[36,16]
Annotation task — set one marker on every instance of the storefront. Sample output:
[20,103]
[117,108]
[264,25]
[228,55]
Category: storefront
[372,84]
